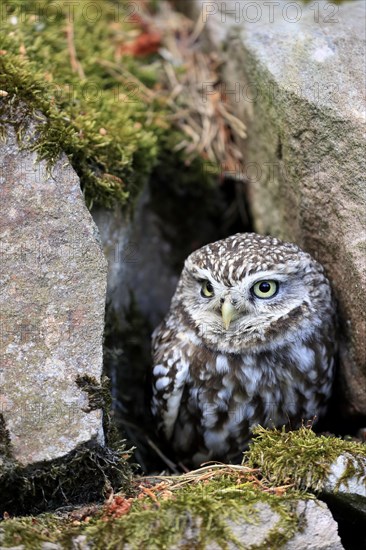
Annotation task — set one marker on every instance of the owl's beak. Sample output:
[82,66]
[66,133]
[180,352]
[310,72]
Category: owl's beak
[227,311]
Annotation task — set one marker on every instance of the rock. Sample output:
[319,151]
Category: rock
[276,523]
[332,469]
[80,543]
[320,531]
[264,529]
[344,491]
[141,283]
[53,276]
[347,475]
[295,74]
[138,260]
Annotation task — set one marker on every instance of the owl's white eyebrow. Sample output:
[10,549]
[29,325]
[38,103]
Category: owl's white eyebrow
[202,275]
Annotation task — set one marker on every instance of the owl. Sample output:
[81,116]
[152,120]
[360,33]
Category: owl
[249,339]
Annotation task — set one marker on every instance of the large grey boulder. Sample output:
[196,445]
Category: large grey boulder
[295,74]
[53,285]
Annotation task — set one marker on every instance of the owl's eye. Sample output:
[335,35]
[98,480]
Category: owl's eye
[207,290]
[265,289]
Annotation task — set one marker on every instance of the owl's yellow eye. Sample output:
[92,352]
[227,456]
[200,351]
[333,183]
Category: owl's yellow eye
[265,289]
[207,289]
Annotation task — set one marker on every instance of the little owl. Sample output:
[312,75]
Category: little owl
[249,339]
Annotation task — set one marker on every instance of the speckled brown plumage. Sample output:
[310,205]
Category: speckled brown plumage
[267,359]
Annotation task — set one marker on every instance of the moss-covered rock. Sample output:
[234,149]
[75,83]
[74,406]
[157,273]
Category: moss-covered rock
[228,510]
[63,61]
[332,468]
[261,504]
[305,459]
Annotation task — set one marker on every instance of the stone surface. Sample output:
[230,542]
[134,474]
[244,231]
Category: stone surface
[338,480]
[295,74]
[345,493]
[318,529]
[138,260]
[139,274]
[53,284]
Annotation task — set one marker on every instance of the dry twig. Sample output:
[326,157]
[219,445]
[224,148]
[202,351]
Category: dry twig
[75,63]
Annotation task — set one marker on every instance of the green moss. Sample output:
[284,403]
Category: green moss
[99,116]
[97,393]
[99,397]
[203,507]
[210,506]
[81,476]
[300,457]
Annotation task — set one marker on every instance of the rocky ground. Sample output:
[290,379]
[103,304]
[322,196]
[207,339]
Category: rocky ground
[275,499]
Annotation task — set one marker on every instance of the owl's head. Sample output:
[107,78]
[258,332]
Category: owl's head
[250,292]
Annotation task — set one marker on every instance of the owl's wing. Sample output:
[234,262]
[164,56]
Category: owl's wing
[169,376]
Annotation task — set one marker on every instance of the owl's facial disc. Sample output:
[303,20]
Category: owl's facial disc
[243,308]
